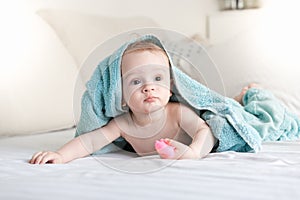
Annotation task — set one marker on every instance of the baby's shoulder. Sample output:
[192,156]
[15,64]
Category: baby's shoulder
[173,106]
[122,116]
[123,120]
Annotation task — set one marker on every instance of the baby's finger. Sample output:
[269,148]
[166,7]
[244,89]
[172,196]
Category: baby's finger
[180,148]
[48,157]
[34,157]
[40,157]
[175,143]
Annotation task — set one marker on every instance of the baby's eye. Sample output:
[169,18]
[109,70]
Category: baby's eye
[158,78]
[136,82]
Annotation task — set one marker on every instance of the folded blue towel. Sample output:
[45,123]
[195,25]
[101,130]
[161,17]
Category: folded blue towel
[238,128]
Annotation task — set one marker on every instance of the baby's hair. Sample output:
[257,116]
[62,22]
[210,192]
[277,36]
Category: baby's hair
[143,46]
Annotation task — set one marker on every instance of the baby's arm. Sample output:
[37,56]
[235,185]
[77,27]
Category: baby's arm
[80,146]
[203,139]
[199,131]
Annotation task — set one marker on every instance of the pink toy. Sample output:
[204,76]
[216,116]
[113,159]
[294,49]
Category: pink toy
[164,149]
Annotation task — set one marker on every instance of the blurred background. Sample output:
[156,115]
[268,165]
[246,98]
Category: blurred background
[45,42]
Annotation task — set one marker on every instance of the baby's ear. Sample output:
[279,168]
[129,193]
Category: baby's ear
[124,105]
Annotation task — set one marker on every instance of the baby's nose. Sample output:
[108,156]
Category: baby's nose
[148,88]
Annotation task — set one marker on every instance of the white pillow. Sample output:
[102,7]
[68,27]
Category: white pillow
[37,77]
[81,33]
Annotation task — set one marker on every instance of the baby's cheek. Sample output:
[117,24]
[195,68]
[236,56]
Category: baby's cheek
[128,93]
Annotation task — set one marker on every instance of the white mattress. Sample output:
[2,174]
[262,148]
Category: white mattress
[271,174]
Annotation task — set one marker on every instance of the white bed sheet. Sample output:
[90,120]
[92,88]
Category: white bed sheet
[273,173]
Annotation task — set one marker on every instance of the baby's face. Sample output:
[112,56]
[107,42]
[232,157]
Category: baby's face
[145,80]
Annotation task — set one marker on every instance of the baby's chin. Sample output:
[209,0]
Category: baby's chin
[153,108]
[150,109]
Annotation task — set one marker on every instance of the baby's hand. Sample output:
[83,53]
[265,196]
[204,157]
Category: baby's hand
[180,150]
[44,157]
[163,149]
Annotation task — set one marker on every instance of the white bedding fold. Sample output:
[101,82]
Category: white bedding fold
[273,173]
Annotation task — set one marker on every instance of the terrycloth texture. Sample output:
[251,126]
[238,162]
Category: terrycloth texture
[237,128]
[102,99]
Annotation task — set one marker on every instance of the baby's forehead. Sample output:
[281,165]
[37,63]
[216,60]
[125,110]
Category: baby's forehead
[144,58]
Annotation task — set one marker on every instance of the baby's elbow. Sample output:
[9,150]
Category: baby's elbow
[203,154]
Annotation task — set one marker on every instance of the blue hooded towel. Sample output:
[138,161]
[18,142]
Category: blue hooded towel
[237,128]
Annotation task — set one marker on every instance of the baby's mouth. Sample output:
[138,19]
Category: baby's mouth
[150,99]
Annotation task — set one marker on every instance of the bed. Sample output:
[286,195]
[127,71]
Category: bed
[273,173]
[37,101]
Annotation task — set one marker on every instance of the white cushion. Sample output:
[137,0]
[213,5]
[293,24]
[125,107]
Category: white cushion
[81,33]
[37,77]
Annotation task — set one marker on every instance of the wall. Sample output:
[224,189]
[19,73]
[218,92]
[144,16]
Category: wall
[185,16]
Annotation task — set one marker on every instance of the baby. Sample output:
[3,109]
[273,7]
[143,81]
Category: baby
[146,83]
